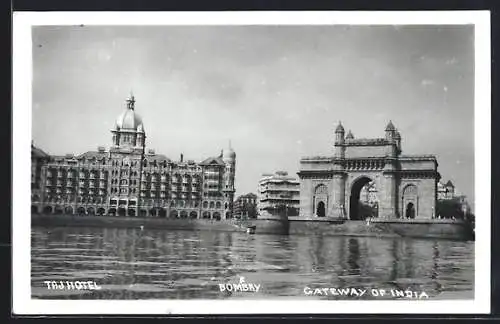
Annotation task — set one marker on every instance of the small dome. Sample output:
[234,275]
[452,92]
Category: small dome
[349,135]
[390,127]
[129,119]
[229,154]
[340,128]
[398,135]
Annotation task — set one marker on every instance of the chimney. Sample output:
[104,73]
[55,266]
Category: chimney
[182,157]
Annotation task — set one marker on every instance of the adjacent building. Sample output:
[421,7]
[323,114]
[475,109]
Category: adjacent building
[445,190]
[128,180]
[245,206]
[278,193]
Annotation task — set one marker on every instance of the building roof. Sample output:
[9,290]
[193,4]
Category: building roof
[156,157]
[212,161]
[449,184]
[92,155]
[37,152]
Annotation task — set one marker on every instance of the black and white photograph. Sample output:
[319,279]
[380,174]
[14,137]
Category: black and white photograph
[213,162]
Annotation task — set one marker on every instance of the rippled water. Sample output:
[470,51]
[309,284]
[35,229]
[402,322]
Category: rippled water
[149,264]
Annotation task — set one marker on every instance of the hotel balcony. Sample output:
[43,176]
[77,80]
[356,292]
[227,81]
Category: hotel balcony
[69,184]
[59,183]
[163,178]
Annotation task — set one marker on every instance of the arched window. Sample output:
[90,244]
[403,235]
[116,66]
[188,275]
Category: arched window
[410,201]
[205,204]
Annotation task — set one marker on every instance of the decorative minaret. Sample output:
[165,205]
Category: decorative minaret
[390,131]
[388,206]
[337,208]
[339,141]
[398,142]
[229,158]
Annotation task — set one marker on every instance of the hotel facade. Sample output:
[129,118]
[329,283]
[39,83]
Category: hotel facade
[128,180]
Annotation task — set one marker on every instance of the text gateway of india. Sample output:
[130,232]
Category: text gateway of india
[128,181]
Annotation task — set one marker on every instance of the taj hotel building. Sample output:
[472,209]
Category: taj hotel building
[127,180]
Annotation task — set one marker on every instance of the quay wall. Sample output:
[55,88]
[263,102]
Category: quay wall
[137,222]
[446,229]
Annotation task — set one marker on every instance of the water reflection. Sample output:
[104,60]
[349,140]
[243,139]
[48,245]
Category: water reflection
[135,264]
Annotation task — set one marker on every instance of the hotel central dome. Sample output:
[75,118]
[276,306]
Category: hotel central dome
[129,119]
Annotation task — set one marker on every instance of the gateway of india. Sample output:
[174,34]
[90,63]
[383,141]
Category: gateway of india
[400,186]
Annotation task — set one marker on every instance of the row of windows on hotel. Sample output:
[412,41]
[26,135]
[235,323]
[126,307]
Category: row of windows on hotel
[95,194]
[190,165]
[132,203]
[153,177]
[176,185]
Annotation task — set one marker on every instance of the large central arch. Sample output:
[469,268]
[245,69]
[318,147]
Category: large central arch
[354,208]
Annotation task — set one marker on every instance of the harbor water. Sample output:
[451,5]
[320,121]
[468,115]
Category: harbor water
[139,263]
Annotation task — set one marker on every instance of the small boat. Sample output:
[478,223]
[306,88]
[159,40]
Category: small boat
[251,229]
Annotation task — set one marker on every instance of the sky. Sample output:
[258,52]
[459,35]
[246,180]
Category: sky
[276,93]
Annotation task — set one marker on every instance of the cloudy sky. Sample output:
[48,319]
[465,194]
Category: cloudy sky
[275,92]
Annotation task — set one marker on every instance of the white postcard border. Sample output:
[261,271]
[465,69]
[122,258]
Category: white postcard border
[22,105]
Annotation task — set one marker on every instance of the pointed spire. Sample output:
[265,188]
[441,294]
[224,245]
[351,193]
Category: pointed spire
[131,101]
[349,135]
[340,128]
[390,127]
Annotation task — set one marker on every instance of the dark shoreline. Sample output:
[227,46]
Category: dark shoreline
[438,229]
